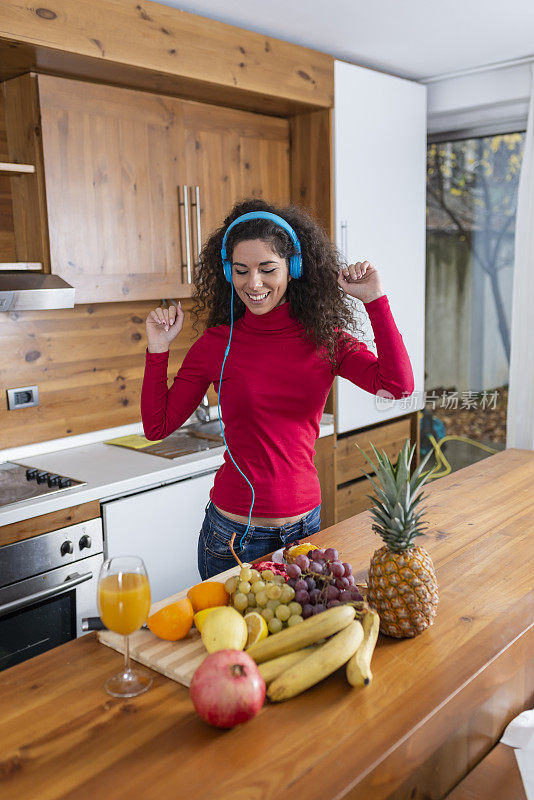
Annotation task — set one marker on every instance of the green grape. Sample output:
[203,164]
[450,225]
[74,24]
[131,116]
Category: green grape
[275,625]
[294,619]
[273,604]
[291,592]
[267,575]
[258,586]
[261,599]
[244,587]
[240,601]
[273,591]
[295,608]
[283,613]
[245,574]
[279,579]
[267,614]
[231,584]
[251,600]
[255,575]
[285,595]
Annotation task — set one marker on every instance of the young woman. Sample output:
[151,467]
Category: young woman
[289,339]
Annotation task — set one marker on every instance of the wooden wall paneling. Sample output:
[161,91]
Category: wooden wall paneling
[24,141]
[163,49]
[17,531]
[88,363]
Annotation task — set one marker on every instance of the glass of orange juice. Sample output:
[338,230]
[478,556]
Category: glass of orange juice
[124,603]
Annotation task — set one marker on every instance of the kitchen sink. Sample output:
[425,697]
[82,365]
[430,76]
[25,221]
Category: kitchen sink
[212,428]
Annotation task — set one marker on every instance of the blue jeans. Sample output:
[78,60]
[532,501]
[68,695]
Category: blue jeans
[214,554]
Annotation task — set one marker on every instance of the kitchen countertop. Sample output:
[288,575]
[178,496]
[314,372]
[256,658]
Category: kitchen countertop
[436,706]
[111,471]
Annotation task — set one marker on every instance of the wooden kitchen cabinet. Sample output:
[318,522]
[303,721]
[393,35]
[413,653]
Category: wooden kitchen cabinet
[122,169]
[352,485]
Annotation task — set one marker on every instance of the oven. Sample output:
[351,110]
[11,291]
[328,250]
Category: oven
[48,583]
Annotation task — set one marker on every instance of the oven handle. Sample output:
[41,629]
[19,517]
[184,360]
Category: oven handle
[69,583]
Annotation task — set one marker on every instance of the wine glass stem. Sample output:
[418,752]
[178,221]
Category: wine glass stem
[127,653]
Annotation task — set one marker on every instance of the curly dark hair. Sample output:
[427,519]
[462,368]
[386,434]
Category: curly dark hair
[316,299]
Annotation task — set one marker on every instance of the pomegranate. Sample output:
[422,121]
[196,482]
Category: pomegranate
[227,688]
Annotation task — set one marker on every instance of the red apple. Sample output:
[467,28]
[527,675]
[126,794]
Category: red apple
[227,688]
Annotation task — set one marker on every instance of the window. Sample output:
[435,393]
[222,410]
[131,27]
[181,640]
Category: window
[471,207]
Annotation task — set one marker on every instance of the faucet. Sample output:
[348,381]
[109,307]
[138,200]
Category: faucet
[203,411]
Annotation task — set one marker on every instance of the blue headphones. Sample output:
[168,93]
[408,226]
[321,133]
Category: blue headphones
[295,270]
[295,262]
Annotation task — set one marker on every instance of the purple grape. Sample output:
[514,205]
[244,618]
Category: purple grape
[317,567]
[355,593]
[331,554]
[338,570]
[345,596]
[350,579]
[342,583]
[319,608]
[347,568]
[310,583]
[291,582]
[293,570]
[302,561]
[300,584]
[315,596]
[302,597]
[307,611]
[332,603]
[326,569]
[332,593]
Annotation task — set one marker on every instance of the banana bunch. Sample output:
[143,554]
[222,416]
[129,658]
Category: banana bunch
[290,663]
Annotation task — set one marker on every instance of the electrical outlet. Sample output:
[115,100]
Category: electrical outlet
[24,397]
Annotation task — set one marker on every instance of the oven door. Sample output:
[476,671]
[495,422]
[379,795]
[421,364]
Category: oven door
[39,613]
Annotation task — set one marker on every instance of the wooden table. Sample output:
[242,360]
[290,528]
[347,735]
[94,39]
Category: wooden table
[436,707]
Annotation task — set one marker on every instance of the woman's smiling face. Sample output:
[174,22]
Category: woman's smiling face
[260,276]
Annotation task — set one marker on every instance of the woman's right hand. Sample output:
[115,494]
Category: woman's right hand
[163,326]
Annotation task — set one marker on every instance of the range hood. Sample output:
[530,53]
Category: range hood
[33,291]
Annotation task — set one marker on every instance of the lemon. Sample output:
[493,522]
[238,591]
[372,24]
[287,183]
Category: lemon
[200,616]
[256,626]
[224,629]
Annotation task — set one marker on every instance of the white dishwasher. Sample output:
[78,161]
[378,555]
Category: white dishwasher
[162,526]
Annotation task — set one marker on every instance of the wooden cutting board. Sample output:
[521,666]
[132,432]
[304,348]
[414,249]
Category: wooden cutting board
[176,660]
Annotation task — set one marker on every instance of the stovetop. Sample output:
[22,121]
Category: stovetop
[19,482]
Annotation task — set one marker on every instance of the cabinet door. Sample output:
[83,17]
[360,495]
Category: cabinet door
[114,162]
[380,212]
[231,155]
[162,526]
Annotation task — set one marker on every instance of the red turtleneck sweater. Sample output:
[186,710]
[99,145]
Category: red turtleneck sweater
[273,393]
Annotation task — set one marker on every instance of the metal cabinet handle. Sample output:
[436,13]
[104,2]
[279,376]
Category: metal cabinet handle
[70,582]
[344,247]
[185,204]
[196,205]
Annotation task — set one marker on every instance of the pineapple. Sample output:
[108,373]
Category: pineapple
[402,582]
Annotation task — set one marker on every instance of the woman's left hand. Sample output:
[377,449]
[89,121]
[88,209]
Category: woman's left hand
[361,280]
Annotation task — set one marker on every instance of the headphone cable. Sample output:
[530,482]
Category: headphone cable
[220,416]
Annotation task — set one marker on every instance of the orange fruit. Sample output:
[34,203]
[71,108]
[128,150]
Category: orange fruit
[207,595]
[172,622]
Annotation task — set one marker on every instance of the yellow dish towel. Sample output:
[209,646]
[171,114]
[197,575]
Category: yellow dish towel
[134,440]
